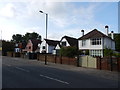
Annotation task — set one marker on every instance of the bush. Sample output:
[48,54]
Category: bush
[116,54]
[108,52]
[68,51]
[87,52]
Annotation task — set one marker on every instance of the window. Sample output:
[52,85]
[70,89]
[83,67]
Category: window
[96,52]
[83,42]
[63,43]
[29,47]
[43,47]
[96,41]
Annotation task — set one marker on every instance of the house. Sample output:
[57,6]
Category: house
[67,41]
[51,44]
[18,47]
[32,45]
[95,42]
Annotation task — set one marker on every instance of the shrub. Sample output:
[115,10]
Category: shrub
[108,52]
[68,51]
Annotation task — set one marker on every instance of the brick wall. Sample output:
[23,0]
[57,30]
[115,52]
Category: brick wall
[10,54]
[57,59]
[108,63]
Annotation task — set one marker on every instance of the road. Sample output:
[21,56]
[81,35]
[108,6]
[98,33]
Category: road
[22,73]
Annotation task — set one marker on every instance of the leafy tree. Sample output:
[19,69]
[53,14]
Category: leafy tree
[17,38]
[33,35]
[68,51]
[7,46]
[117,42]
[22,38]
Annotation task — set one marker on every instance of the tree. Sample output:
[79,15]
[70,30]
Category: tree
[68,51]
[17,38]
[20,38]
[33,35]
[7,46]
[117,42]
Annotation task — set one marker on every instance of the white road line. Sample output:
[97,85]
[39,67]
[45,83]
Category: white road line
[9,65]
[22,69]
[54,79]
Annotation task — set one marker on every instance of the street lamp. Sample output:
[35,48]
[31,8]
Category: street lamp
[46,36]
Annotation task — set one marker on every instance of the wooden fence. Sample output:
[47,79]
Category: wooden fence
[88,61]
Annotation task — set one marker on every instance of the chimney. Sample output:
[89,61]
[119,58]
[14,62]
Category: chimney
[106,27]
[112,34]
[82,32]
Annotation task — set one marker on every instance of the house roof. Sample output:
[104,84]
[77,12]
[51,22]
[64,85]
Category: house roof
[35,43]
[94,34]
[72,41]
[52,42]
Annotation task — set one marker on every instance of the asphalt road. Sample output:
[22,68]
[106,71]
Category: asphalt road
[21,73]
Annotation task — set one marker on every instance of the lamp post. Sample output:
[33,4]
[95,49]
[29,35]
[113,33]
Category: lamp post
[46,36]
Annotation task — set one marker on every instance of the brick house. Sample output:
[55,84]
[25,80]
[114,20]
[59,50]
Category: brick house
[32,45]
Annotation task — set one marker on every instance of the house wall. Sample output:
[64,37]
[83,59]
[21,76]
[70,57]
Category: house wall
[88,45]
[49,48]
[64,40]
[41,46]
[57,47]
[105,42]
[29,44]
[17,49]
[108,43]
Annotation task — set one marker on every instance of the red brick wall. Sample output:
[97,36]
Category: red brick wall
[106,64]
[57,59]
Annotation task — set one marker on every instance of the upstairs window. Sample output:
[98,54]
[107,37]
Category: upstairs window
[96,41]
[83,42]
[43,47]
[63,43]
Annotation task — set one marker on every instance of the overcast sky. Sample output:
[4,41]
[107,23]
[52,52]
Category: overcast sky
[64,18]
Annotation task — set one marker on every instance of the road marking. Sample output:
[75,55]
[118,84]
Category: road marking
[54,79]
[9,65]
[22,69]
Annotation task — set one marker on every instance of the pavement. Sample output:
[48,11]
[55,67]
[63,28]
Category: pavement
[112,75]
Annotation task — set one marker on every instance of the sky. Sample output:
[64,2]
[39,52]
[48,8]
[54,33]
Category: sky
[64,17]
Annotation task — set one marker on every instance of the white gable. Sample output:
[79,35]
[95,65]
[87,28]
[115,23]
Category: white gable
[49,48]
[42,45]
[57,47]
[64,40]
